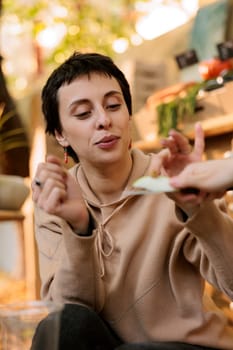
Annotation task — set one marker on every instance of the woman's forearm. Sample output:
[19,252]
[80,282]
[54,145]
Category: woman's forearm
[210,175]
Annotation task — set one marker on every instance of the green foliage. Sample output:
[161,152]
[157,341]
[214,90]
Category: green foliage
[96,27]
[173,114]
[12,138]
[167,116]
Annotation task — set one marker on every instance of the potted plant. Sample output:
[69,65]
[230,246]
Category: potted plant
[10,138]
[176,110]
[13,189]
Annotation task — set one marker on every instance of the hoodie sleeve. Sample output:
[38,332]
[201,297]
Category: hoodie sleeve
[68,263]
[210,245]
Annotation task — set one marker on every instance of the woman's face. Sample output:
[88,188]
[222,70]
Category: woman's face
[95,119]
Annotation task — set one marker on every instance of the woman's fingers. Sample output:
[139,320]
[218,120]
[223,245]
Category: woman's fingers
[178,143]
[49,175]
[43,193]
[52,202]
[199,142]
[50,169]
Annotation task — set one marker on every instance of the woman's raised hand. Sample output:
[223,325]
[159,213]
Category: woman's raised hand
[56,191]
[178,153]
[175,157]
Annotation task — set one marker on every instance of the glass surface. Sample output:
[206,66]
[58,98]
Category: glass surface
[30,325]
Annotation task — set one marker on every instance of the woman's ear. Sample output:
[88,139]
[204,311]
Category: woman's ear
[61,139]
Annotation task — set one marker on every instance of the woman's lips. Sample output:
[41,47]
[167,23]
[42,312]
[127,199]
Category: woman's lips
[107,142]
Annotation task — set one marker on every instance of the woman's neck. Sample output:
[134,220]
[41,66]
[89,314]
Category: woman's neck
[108,182]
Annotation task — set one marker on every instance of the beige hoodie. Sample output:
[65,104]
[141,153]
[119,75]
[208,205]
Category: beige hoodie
[143,268]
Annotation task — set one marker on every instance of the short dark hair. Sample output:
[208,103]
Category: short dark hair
[78,64]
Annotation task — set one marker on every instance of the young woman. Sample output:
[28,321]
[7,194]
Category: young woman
[130,268]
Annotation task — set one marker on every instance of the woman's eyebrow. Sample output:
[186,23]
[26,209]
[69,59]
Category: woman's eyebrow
[86,100]
[113,92]
[79,102]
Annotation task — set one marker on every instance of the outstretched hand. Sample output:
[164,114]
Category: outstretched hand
[207,176]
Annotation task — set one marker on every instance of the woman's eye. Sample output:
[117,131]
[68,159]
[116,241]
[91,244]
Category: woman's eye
[83,115]
[114,106]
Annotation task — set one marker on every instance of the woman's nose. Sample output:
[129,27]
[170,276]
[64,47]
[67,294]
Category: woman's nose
[103,120]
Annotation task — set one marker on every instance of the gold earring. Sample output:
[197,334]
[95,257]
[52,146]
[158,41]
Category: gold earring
[65,155]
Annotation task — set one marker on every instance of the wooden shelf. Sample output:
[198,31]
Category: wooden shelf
[11,215]
[212,127]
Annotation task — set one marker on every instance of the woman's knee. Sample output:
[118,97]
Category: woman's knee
[80,328]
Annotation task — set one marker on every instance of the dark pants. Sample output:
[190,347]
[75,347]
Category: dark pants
[83,329]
